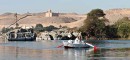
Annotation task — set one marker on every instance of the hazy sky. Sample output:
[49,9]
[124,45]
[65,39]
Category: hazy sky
[78,6]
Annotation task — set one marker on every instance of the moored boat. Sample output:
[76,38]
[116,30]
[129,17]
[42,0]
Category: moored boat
[21,35]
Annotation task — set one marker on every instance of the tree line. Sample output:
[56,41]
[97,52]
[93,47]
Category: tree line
[37,28]
[96,25]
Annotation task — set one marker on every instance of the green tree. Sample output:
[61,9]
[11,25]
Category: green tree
[5,30]
[39,28]
[123,27]
[111,32]
[50,28]
[96,13]
[94,25]
[60,26]
[17,25]
[64,27]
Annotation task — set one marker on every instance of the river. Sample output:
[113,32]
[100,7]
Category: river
[47,50]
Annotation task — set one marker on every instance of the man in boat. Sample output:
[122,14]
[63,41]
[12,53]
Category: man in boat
[78,39]
[72,36]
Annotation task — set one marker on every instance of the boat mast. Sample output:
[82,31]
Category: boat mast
[16,18]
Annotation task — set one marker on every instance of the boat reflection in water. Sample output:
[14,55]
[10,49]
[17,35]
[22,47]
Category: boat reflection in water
[78,53]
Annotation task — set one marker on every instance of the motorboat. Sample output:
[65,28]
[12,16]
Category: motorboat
[76,44]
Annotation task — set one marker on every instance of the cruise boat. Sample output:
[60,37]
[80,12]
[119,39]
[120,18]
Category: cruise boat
[21,35]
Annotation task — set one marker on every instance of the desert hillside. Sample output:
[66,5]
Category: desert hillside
[115,14]
[64,19]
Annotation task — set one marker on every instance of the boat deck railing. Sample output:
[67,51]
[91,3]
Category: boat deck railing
[20,35]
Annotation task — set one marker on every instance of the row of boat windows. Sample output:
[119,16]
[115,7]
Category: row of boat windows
[20,35]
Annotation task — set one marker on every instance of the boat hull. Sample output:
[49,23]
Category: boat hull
[76,47]
[72,45]
[21,39]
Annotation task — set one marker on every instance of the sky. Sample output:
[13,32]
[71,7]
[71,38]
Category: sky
[65,6]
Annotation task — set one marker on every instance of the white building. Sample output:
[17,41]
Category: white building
[49,13]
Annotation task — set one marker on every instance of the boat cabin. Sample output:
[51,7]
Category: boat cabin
[21,35]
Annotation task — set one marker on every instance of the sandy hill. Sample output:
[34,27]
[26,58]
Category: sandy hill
[115,14]
[64,19]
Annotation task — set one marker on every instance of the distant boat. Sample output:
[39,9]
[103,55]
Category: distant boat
[21,35]
[76,44]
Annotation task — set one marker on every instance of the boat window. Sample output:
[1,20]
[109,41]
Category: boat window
[20,35]
[28,34]
[11,35]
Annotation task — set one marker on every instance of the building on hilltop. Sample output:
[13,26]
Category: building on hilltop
[49,13]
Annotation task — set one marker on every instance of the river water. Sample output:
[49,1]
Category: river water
[47,50]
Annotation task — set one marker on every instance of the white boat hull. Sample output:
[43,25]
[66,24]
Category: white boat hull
[73,45]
